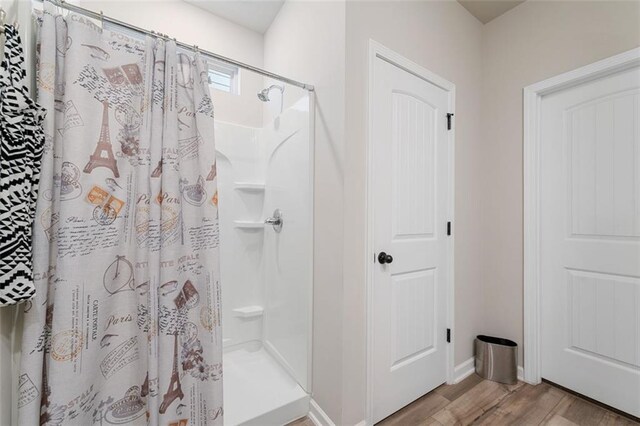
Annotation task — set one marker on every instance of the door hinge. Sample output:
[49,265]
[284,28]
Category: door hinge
[448,228]
[448,335]
[449,117]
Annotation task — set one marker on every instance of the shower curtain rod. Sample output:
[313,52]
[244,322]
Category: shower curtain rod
[102,17]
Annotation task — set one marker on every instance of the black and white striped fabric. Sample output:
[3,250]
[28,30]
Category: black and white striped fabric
[21,146]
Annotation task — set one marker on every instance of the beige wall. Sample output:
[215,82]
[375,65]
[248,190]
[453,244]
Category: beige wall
[325,44]
[534,41]
[489,65]
[18,11]
[7,368]
[306,43]
[11,9]
[444,38]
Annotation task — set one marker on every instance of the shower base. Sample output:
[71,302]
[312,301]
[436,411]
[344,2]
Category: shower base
[258,391]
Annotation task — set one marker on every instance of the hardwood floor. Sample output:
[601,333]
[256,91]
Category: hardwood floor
[475,401]
[305,421]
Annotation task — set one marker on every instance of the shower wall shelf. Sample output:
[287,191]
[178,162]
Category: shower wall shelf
[249,311]
[249,186]
[248,224]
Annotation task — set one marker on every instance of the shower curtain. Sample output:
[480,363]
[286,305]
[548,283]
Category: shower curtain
[125,326]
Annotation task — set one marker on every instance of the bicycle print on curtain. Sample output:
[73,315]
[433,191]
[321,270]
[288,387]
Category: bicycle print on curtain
[125,326]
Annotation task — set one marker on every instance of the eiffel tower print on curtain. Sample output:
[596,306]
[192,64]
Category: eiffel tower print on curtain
[103,154]
[144,356]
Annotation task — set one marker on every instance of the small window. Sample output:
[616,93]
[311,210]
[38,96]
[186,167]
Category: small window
[224,77]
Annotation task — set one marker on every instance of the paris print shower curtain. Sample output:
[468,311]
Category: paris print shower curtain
[125,326]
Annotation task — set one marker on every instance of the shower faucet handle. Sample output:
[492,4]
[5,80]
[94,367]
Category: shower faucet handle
[276,220]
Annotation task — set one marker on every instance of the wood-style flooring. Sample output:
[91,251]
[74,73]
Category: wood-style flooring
[475,401]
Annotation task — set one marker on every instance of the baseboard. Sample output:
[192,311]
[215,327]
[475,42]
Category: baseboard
[318,416]
[467,368]
[464,370]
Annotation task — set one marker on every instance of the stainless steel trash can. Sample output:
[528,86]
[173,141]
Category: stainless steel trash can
[497,359]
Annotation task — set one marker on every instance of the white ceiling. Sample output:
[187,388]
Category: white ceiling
[486,10]
[256,15]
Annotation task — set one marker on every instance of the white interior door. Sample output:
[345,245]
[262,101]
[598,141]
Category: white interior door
[410,197]
[590,239]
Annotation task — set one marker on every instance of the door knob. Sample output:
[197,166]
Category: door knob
[384,258]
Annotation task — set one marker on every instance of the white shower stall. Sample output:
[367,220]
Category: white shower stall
[266,269]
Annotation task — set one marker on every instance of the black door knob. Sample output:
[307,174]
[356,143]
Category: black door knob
[384,258]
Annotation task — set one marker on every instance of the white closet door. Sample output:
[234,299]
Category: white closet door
[590,239]
[410,197]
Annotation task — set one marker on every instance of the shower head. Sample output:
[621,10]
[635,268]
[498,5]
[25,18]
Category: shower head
[263,95]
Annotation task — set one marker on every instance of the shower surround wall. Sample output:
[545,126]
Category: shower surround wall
[306,41]
[288,254]
[241,177]
[266,275]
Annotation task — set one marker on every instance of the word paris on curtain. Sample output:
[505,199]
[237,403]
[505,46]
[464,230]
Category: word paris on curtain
[125,324]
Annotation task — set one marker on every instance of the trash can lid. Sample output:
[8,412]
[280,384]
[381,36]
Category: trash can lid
[496,340]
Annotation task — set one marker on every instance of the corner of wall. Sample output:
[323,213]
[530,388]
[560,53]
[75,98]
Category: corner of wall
[306,42]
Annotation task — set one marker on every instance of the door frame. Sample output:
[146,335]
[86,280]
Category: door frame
[532,98]
[377,50]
